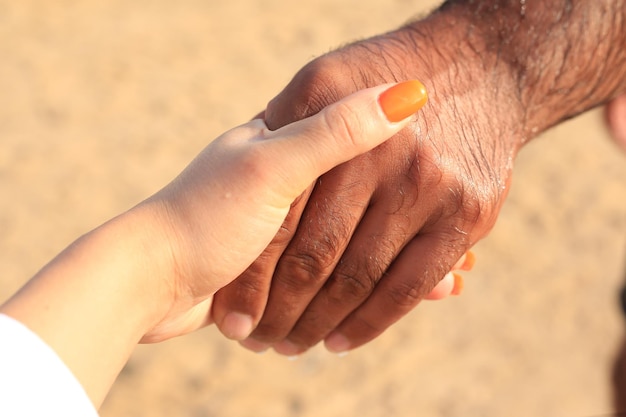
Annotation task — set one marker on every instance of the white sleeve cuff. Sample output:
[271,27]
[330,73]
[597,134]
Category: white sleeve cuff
[34,381]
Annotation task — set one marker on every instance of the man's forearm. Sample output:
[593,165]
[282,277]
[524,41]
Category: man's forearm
[564,56]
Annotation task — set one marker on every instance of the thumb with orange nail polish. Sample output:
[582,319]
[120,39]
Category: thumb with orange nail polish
[343,130]
[402,100]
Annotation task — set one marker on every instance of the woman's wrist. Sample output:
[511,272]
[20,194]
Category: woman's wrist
[96,300]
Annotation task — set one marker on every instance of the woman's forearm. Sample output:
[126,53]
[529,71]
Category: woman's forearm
[95,300]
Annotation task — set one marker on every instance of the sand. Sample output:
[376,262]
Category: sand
[104,101]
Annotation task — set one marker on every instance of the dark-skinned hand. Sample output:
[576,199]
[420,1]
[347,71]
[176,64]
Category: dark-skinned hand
[371,238]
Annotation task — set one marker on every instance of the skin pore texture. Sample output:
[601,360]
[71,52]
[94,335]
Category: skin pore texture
[373,236]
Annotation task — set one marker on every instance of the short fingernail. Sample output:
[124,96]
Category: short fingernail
[470,260]
[402,100]
[458,284]
[237,326]
[337,343]
[254,345]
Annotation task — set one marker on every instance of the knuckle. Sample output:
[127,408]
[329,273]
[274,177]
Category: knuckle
[314,253]
[356,276]
[251,284]
[405,295]
[301,271]
[314,87]
[351,285]
[473,204]
[247,294]
[467,187]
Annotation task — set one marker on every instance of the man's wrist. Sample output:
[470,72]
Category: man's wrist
[466,82]
[563,57]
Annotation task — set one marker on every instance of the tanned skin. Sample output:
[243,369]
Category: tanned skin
[363,246]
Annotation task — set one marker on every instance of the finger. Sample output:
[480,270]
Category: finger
[238,307]
[348,288]
[412,276]
[356,124]
[307,262]
[377,240]
[306,266]
[335,134]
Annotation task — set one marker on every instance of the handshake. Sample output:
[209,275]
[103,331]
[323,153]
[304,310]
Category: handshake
[309,225]
[198,251]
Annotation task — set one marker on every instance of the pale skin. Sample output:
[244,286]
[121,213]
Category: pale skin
[392,222]
[149,274]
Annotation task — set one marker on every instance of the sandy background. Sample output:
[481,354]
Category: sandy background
[104,101]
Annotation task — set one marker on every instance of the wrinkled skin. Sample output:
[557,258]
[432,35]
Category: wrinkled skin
[378,233]
[372,237]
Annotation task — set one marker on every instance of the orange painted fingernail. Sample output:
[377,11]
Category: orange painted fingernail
[468,263]
[402,100]
[458,284]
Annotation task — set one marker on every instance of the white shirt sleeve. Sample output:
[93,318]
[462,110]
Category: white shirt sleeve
[34,381]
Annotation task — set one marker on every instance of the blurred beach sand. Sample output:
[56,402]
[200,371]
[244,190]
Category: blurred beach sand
[104,101]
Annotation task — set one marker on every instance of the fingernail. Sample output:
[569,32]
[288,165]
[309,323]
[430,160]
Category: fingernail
[458,284]
[255,345]
[337,343]
[468,263]
[237,326]
[402,100]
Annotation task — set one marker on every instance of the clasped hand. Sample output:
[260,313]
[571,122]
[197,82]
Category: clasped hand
[374,236]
